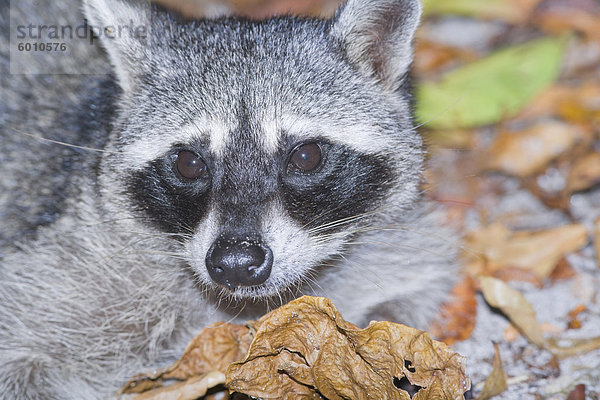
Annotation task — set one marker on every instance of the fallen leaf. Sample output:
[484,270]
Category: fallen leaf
[530,151]
[495,383]
[573,315]
[457,317]
[564,348]
[574,103]
[497,247]
[563,271]
[585,173]
[491,89]
[556,17]
[508,274]
[514,11]
[192,389]
[522,315]
[450,139]
[578,393]
[306,348]
[512,303]
[213,349]
[431,57]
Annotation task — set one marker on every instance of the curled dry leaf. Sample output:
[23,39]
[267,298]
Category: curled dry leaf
[191,389]
[495,383]
[213,349]
[307,349]
[530,151]
[495,248]
[522,315]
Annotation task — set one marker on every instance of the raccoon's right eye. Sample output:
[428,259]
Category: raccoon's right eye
[190,166]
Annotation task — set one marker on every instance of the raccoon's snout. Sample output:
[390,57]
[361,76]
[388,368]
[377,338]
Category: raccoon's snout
[239,261]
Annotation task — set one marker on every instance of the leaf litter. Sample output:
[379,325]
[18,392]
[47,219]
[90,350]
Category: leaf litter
[305,349]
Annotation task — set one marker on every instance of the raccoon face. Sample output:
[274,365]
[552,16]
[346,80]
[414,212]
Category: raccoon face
[263,147]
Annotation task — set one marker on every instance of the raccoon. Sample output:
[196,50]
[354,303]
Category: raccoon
[211,169]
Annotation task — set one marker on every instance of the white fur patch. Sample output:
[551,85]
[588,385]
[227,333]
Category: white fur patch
[142,151]
[360,136]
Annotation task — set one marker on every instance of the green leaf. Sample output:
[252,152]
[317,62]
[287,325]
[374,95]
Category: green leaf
[492,89]
[506,10]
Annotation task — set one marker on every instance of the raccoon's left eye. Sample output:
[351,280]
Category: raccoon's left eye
[190,166]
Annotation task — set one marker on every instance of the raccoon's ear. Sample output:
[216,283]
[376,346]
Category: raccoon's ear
[124,30]
[377,36]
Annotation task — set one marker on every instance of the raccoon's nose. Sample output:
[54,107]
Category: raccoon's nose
[238,261]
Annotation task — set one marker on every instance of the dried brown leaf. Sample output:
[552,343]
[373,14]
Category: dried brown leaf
[576,104]
[578,393]
[530,151]
[563,271]
[495,383]
[306,348]
[512,303]
[563,16]
[585,173]
[213,349]
[538,252]
[431,57]
[520,312]
[573,315]
[192,389]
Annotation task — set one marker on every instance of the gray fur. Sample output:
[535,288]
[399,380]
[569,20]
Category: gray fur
[103,286]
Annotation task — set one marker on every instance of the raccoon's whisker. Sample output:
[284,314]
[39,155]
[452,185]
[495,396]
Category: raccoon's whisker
[43,139]
[405,228]
[399,245]
[337,223]
[130,246]
[166,253]
[190,231]
[309,280]
[234,317]
[360,269]
[322,215]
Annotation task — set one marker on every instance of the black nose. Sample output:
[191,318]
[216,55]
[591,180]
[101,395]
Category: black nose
[239,261]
